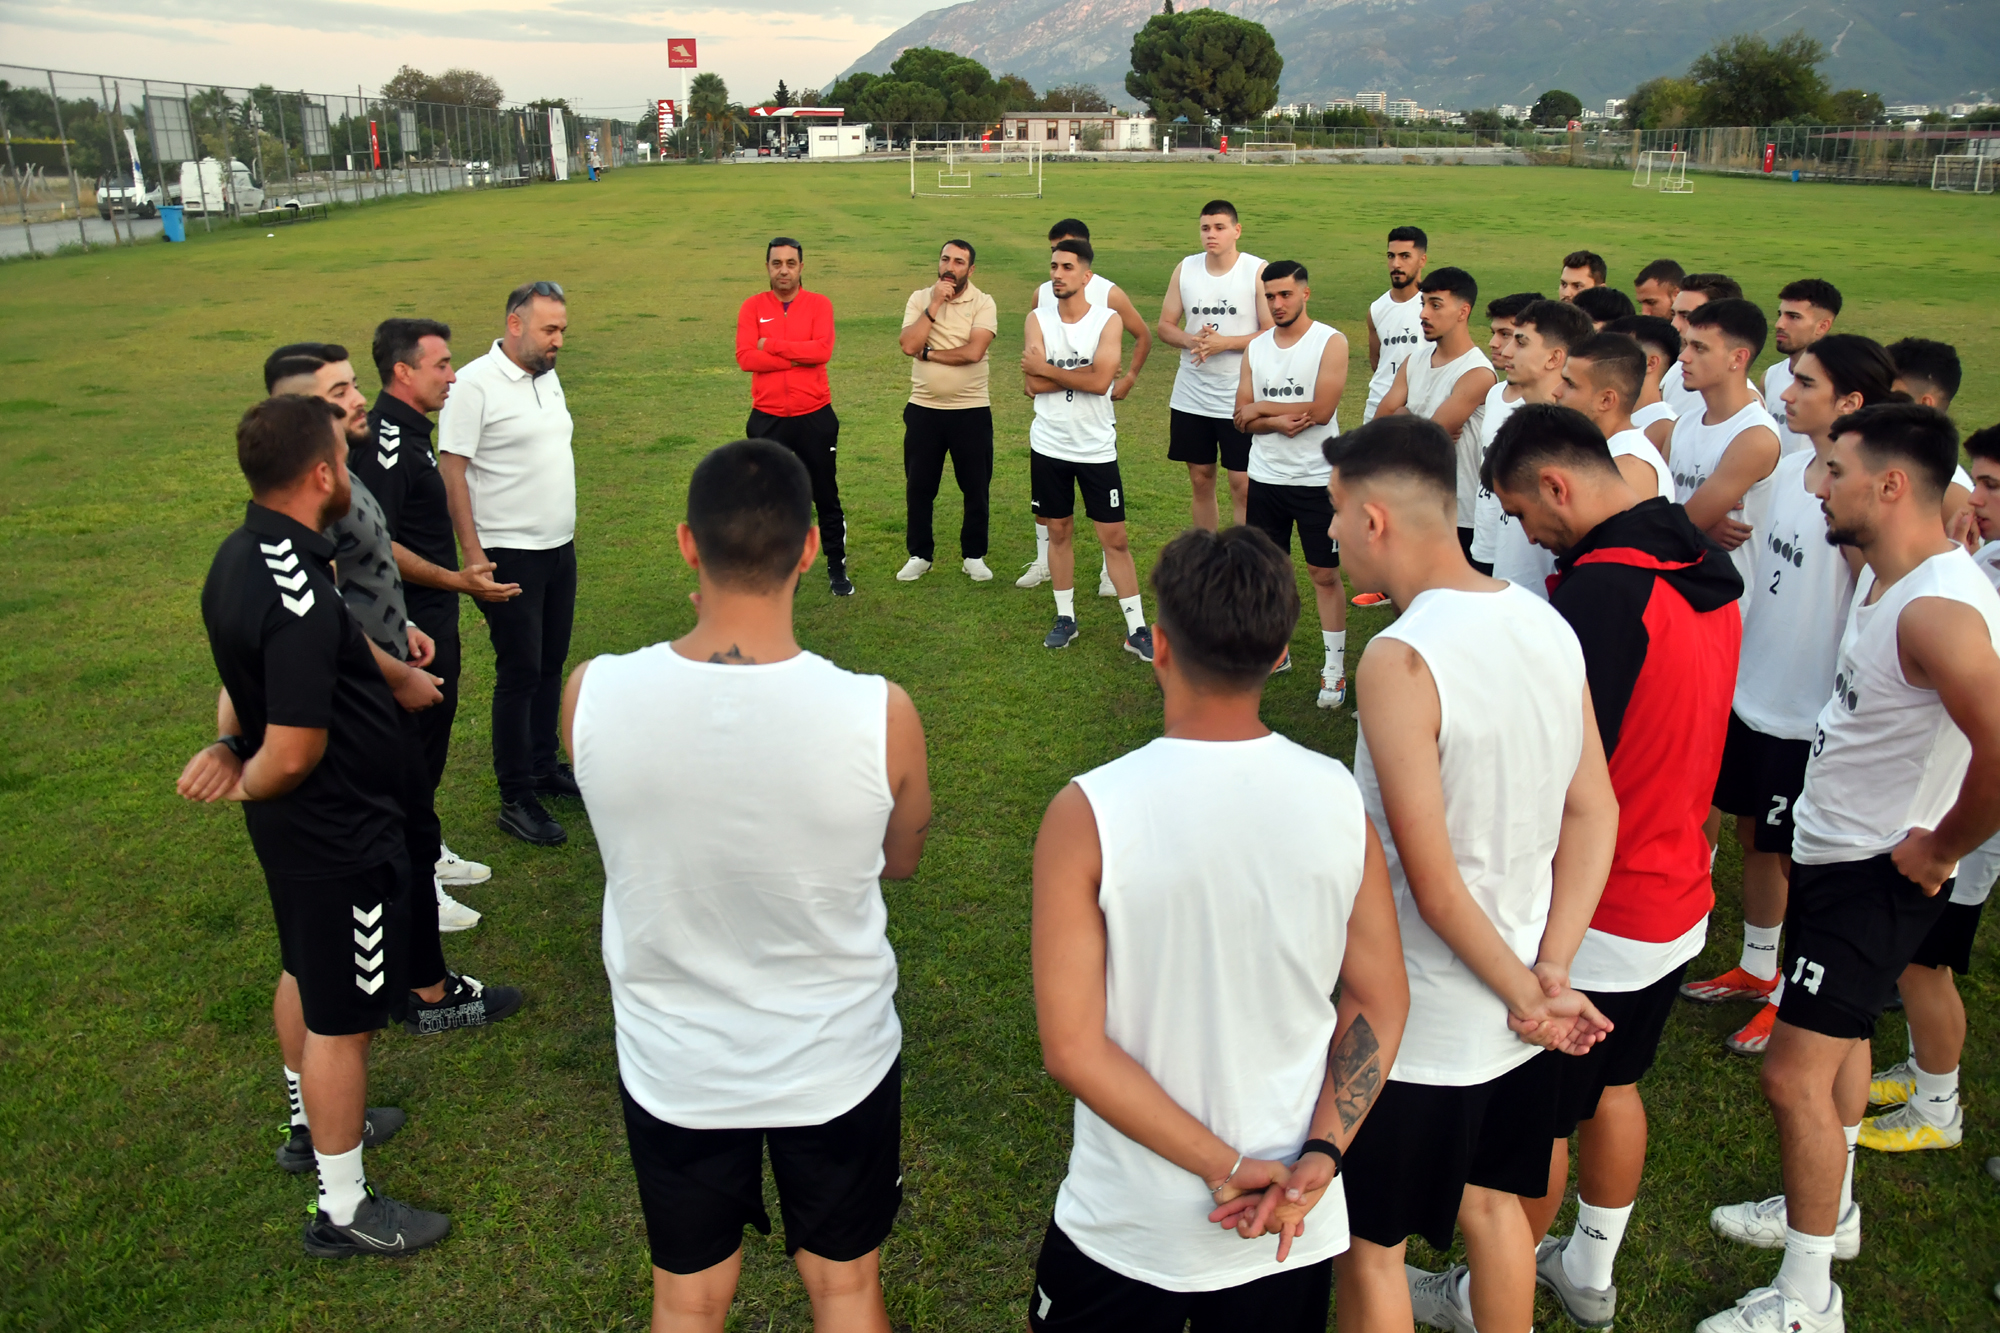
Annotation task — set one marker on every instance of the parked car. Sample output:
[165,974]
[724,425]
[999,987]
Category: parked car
[114,196]
[206,187]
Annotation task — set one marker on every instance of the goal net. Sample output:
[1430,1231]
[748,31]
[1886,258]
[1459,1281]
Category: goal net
[1266,152]
[1668,167]
[1963,173]
[985,169]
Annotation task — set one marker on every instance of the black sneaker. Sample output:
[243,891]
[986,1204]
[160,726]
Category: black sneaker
[295,1154]
[1062,634]
[1139,643]
[527,821]
[466,1003]
[381,1226]
[837,579]
[559,781]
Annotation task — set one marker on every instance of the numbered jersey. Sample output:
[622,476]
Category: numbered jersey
[1290,375]
[1228,305]
[1398,330]
[1070,424]
[1793,611]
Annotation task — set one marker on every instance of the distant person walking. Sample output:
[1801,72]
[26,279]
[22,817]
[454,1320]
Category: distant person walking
[947,329]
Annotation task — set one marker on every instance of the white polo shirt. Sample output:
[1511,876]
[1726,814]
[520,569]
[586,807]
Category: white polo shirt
[515,431]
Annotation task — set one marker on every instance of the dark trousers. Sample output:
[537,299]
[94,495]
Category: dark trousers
[421,837]
[434,723]
[530,643]
[929,435]
[814,438]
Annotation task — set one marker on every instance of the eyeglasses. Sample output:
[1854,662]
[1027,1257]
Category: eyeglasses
[532,290]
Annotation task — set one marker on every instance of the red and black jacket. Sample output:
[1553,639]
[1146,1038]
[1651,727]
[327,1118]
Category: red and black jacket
[1653,601]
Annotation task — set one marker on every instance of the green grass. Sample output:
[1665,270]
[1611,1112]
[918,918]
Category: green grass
[139,1089]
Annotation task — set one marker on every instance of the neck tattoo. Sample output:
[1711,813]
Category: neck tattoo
[734,657]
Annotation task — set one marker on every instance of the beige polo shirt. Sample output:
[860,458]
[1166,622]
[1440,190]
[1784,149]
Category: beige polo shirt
[950,387]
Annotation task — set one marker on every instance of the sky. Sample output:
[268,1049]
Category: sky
[606,56]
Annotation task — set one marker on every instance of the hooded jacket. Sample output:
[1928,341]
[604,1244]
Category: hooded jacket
[1653,602]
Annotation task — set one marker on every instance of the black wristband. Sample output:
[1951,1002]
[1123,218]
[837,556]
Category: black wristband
[1321,1145]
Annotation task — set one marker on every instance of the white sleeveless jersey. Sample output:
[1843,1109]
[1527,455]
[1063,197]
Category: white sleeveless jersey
[1487,515]
[1069,424]
[1978,871]
[1697,451]
[1187,920]
[1644,417]
[1794,611]
[1778,378]
[1886,758]
[1509,675]
[1397,329]
[1429,387]
[739,812]
[1519,561]
[1228,305]
[1290,375]
[1634,444]
[1096,292]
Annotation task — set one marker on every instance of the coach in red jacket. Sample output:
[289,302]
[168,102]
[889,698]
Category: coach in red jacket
[784,338]
[1653,603]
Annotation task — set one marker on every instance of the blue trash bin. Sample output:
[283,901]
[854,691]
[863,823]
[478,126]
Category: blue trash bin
[172,222]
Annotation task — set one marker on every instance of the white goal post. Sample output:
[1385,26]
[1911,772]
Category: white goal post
[1963,173]
[1669,163]
[980,168]
[1266,152]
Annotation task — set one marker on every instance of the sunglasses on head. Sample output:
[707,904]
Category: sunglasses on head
[535,289]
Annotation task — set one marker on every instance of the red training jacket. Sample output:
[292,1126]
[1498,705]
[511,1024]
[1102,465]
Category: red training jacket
[802,331]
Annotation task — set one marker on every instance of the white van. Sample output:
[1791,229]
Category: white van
[205,188]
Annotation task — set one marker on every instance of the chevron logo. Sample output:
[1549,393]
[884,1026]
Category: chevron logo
[298,606]
[368,941]
[287,565]
[372,985]
[279,549]
[368,918]
[387,460]
[372,963]
[292,584]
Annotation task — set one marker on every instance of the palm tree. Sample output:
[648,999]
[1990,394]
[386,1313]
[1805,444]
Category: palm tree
[709,107]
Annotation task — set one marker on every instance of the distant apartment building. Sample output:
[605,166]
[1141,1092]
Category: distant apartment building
[1916,110]
[1614,108]
[1402,109]
[1372,101]
[1508,111]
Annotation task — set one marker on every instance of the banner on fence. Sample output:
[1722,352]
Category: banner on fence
[558,146]
[167,122]
[374,144]
[1770,157]
[680,53]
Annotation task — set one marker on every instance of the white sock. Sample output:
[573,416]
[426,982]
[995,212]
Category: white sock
[1808,1269]
[342,1185]
[1760,951]
[1066,602]
[1041,543]
[1853,1133]
[1135,619]
[1937,1095]
[1336,649]
[1593,1246]
[297,1099]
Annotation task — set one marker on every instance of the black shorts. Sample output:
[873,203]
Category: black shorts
[1276,508]
[1408,1167]
[839,1184]
[1076,1294]
[1850,929]
[1193,438]
[346,939]
[1949,943]
[1638,1018]
[1054,482]
[1761,778]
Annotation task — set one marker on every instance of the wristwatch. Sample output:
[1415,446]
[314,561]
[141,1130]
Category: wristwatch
[927,352]
[237,746]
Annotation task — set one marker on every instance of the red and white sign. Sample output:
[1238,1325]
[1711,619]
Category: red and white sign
[1225,145]
[680,53]
[667,121]
[1770,157]
[375,144]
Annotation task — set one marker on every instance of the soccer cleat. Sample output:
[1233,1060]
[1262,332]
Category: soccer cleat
[1036,576]
[1754,1036]
[1893,1086]
[837,581]
[1332,687]
[1105,587]
[1062,634]
[915,568]
[381,1226]
[1586,1308]
[1139,643]
[1763,1225]
[295,1154]
[1368,599]
[466,1003]
[453,915]
[1283,666]
[559,781]
[1905,1130]
[455,869]
[1772,1310]
[976,570]
[529,822]
[1434,1298]
[1735,984]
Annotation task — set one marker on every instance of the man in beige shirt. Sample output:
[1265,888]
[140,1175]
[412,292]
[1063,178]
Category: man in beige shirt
[947,328]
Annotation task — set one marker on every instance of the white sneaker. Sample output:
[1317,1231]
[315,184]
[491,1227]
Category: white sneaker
[1434,1298]
[913,570]
[1763,1225]
[976,570]
[1332,687]
[1773,1310]
[1037,575]
[455,869]
[454,915]
[1105,587]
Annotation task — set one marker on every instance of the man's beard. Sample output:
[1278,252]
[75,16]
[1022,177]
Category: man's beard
[1401,280]
[1843,536]
[337,505]
[356,439]
[1287,323]
[957,284]
[541,363]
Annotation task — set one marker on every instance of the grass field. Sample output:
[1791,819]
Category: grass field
[139,1083]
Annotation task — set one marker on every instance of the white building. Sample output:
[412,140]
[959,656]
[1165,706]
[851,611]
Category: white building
[1372,101]
[1056,129]
[1508,111]
[1614,108]
[1402,108]
[1914,109]
[837,140]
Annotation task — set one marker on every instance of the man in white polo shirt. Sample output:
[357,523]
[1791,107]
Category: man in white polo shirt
[510,481]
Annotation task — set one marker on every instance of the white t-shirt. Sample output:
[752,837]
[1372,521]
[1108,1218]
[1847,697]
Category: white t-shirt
[1070,424]
[515,430]
[1510,680]
[1487,515]
[1644,417]
[1685,401]
[1794,610]
[1430,386]
[1290,375]
[1697,452]
[1398,330]
[1778,378]
[1187,919]
[1227,304]
[1634,444]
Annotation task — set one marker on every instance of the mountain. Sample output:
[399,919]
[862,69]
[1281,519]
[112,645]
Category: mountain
[1476,53]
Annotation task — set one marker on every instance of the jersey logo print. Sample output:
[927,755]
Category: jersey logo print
[388,444]
[1843,688]
[279,549]
[1289,389]
[292,584]
[387,460]
[368,983]
[298,606]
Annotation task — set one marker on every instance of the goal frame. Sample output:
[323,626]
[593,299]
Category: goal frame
[1673,171]
[958,159]
[1984,170]
[1277,152]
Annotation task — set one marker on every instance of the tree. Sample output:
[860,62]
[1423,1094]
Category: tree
[1663,104]
[847,92]
[1744,80]
[890,100]
[1205,63]
[410,84]
[1017,94]
[458,87]
[807,97]
[782,97]
[1852,106]
[1073,97]
[1556,108]
[970,92]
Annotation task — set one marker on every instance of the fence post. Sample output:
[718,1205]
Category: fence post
[19,181]
[285,140]
[200,176]
[111,134]
[76,191]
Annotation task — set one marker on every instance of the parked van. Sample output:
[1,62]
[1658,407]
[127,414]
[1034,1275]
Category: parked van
[205,187]
[122,196]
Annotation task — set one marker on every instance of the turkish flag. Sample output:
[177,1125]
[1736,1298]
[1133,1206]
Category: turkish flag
[680,53]
[374,143]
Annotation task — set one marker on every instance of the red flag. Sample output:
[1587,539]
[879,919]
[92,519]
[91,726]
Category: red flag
[375,144]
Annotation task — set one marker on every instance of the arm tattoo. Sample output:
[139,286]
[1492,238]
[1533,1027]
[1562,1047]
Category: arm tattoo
[1357,1072]
[734,657]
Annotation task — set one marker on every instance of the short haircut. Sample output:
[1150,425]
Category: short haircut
[1604,304]
[397,340]
[1854,364]
[528,291]
[1984,444]
[750,506]
[1587,259]
[1920,437]
[1214,206]
[1537,435]
[1926,359]
[300,359]
[1664,271]
[1557,322]
[1285,268]
[971,255]
[1813,291]
[1616,362]
[779,243]
[1740,321]
[281,439]
[1654,333]
[1507,307]
[1069,227]
[1454,280]
[1073,246]
[1411,447]
[1229,602]
[1412,234]
[1715,286]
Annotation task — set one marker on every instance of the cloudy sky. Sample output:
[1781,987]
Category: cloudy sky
[604,55]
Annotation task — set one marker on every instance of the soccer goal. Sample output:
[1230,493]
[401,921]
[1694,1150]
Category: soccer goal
[1669,165]
[1963,173]
[957,168]
[1266,153]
